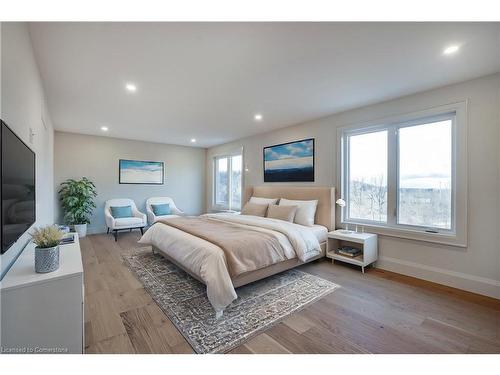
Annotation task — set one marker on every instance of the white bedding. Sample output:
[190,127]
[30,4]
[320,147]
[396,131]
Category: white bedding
[320,232]
[207,261]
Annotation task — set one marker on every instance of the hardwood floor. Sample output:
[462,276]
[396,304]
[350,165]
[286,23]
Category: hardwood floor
[378,312]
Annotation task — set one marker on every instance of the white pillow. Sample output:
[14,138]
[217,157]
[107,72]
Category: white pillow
[305,212]
[259,200]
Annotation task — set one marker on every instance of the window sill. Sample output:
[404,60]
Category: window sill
[221,209]
[416,235]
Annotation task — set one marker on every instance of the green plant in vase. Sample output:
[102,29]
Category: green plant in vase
[77,201]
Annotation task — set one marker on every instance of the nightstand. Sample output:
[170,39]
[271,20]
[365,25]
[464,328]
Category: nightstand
[366,242]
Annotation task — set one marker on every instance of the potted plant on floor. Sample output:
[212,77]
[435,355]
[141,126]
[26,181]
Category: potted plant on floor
[77,200]
[47,241]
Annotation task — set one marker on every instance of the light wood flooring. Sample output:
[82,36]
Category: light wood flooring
[378,312]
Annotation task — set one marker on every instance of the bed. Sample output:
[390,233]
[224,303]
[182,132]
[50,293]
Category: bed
[225,251]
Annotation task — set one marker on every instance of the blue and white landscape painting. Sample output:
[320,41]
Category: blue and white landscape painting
[289,162]
[141,172]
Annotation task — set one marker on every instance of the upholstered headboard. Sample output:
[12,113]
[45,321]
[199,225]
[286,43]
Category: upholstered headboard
[325,213]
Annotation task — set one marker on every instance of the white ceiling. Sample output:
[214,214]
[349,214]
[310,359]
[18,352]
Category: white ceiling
[207,80]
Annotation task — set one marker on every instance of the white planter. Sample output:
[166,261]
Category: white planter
[81,229]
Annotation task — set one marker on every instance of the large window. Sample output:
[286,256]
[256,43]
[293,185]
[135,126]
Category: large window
[425,175]
[227,182]
[402,175]
[368,176]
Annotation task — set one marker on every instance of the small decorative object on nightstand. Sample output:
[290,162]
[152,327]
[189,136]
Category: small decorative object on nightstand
[347,243]
[341,203]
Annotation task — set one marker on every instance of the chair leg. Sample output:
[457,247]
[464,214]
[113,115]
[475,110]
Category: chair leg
[115,233]
[142,232]
[108,231]
[130,230]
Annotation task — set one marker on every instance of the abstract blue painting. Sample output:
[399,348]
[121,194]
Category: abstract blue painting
[289,162]
[141,172]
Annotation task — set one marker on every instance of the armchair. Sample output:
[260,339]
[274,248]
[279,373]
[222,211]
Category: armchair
[152,218]
[137,221]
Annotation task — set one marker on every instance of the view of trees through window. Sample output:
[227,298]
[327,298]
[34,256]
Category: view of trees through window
[221,181]
[228,182]
[235,182]
[368,176]
[424,186]
[425,162]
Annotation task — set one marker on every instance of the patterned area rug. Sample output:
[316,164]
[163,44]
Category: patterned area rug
[259,305]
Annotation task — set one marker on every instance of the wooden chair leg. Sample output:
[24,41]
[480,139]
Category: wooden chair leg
[108,231]
[115,233]
[142,232]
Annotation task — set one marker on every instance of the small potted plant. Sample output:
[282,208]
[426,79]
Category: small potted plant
[47,241]
[77,200]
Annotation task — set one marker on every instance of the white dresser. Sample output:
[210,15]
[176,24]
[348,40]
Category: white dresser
[43,313]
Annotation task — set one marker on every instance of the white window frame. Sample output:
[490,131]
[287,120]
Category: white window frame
[228,207]
[457,235]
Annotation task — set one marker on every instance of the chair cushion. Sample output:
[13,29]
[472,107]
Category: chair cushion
[129,222]
[161,209]
[121,211]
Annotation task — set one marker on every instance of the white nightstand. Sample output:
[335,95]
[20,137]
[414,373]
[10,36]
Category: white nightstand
[367,242]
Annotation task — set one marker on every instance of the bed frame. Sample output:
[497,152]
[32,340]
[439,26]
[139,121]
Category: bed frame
[325,215]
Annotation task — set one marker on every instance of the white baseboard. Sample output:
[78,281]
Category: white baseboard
[471,283]
[95,230]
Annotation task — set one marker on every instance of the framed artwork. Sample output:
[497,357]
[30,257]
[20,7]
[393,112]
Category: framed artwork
[141,172]
[289,162]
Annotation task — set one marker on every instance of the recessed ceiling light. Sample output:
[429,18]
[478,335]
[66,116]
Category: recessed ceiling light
[450,50]
[104,128]
[131,87]
[257,117]
[193,140]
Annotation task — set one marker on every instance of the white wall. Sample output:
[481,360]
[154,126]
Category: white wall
[23,107]
[97,158]
[475,268]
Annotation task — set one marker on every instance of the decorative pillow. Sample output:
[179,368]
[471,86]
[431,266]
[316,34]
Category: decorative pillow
[305,213]
[254,209]
[259,200]
[286,213]
[121,211]
[161,209]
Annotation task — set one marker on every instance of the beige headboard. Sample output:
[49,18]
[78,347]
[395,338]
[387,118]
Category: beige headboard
[325,213]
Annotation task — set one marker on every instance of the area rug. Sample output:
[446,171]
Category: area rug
[259,306]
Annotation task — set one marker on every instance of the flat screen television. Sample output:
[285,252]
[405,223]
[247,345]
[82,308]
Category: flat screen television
[17,171]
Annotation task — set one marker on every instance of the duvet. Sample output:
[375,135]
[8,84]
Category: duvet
[218,247]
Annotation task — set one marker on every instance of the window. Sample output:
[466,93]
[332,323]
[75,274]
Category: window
[405,177]
[368,176]
[221,181]
[425,175]
[227,182]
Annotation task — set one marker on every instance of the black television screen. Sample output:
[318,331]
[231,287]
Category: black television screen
[17,173]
